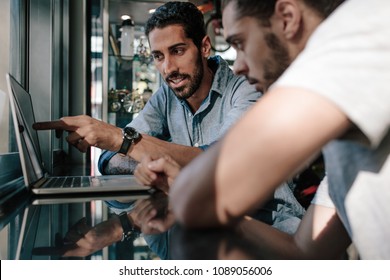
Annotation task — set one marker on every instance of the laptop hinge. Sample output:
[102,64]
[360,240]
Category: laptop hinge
[40,182]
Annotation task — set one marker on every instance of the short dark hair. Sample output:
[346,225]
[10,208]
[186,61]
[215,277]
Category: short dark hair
[264,9]
[185,14]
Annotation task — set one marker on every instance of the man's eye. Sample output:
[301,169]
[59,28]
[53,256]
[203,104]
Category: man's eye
[178,51]
[237,45]
[157,57]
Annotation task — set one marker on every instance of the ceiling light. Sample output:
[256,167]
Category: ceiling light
[125,17]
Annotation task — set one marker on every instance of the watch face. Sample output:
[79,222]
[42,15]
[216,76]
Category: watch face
[131,133]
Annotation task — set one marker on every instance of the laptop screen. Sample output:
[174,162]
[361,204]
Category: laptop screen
[26,136]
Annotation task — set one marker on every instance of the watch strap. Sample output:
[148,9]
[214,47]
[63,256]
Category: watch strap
[129,231]
[130,136]
[125,146]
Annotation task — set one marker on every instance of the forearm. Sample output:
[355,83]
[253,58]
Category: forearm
[320,235]
[272,243]
[120,164]
[153,147]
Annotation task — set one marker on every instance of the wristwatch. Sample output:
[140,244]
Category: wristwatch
[129,230]
[130,136]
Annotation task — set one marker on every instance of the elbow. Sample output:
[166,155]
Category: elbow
[187,213]
[187,217]
[191,217]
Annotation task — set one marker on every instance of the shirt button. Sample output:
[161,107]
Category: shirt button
[196,145]
[189,114]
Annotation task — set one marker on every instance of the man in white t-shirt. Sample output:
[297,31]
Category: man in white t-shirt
[335,96]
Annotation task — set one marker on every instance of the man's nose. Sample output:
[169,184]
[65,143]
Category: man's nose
[169,65]
[239,66]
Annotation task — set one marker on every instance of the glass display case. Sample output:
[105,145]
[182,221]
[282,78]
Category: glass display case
[132,77]
[123,76]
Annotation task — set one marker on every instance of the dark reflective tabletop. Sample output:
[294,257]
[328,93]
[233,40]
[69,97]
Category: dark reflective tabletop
[212,244]
[35,227]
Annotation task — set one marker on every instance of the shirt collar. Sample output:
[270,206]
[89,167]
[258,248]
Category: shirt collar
[222,74]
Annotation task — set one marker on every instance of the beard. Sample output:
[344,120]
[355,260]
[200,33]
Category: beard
[279,61]
[195,80]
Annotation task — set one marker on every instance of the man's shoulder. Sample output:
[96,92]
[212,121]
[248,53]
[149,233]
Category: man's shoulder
[224,76]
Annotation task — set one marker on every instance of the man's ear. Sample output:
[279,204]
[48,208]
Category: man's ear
[206,46]
[290,13]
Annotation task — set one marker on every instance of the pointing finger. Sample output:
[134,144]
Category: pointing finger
[58,124]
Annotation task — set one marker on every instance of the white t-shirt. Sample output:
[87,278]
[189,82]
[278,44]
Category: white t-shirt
[322,195]
[347,60]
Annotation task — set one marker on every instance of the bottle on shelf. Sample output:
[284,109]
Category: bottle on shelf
[127,39]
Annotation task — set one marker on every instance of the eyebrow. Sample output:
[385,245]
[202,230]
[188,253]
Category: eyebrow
[171,47]
[177,45]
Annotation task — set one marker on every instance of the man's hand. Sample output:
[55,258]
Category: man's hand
[153,215]
[85,132]
[159,173]
[83,240]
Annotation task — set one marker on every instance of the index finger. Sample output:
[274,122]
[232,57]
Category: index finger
[57,124]
[53,251]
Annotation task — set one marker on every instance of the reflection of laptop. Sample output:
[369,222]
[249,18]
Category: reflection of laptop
[35,177]
[87,197]
[42,240]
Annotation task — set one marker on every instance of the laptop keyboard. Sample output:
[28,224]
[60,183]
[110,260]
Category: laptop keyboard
[68,182]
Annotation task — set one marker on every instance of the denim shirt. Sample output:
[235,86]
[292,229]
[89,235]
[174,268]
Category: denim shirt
[169,118]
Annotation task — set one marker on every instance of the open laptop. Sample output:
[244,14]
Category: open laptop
[35,177]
